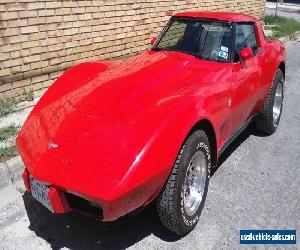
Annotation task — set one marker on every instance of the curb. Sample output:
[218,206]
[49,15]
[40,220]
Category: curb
[284,7]
[291,39]
[11,171]
[27,104]
[4,175]
[285,10]
[16,116]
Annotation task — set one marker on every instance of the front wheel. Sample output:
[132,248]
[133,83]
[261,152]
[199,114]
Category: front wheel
[181,201]
[268,119]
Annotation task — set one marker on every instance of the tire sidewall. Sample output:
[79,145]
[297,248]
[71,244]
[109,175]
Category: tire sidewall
[279,78]
[197,142]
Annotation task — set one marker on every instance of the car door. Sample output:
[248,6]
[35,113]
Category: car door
[246,75]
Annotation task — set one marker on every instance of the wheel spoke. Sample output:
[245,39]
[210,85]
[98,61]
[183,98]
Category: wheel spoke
[195,183]
[277,105]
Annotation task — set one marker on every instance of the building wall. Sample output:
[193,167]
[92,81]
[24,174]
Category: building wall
[39,39]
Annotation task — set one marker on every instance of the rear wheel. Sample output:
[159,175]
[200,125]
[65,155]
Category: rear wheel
[181,201]
[268,119]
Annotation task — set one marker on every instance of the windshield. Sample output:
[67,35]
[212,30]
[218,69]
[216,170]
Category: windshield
[209,40]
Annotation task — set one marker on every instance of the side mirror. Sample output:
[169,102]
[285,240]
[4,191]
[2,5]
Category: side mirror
[246,54]
[153,41]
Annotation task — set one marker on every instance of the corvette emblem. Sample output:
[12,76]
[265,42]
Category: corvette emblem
[52,145]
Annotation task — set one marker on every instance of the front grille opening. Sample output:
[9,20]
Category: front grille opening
[84,206]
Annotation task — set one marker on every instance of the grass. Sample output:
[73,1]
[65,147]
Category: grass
[284,26]
[27,95]
[8,131]
[9,104]
[8,152]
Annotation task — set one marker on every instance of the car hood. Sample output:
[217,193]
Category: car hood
[103,110]
[126,89]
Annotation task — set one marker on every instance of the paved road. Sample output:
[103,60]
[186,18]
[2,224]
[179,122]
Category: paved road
[256,187]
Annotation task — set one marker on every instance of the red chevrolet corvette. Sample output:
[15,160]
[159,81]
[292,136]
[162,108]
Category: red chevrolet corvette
[109,137]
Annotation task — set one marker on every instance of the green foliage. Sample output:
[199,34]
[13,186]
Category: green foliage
[9,104]
[8,152]
[8,131]
[26,96]
[5,133]
[283,26]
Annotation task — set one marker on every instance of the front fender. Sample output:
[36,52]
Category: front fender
[153,163]
[72,79]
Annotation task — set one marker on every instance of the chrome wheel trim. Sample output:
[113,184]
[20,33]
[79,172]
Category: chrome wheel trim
[194,183]
[277,104]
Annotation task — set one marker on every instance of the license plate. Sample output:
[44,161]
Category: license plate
[40,192]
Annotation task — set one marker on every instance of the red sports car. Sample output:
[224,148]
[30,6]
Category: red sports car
[109,137]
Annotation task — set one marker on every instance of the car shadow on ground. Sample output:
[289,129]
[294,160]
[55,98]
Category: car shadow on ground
[77,231]
[250,130]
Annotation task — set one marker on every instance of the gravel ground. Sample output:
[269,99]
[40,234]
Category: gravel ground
[256,187]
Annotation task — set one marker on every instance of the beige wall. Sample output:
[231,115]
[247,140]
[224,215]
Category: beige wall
[39,39]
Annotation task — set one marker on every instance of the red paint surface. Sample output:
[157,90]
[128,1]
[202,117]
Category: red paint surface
[58,201]
[224,16]
[120,124]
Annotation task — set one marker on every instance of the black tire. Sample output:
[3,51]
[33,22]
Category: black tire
[170,205]
[265,121]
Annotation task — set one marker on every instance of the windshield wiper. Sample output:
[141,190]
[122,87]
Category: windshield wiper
[161,49]
[180,51]
[156,49]
[183,51]
[165,49]
[198,56]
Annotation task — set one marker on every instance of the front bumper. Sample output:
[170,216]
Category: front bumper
[63,202]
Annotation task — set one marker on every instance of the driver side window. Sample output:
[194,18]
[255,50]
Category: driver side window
[174,35]
[244,38]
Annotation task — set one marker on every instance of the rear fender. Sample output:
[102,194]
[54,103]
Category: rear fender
[274,56]
[277,56]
